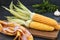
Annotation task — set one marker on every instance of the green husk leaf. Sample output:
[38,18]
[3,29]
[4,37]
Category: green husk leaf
[23,13]
[12,19]
[15,13]
[23,7]
[11,5]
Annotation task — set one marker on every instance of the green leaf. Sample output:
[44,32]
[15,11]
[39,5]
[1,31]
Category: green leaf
[11,5]
[23,7]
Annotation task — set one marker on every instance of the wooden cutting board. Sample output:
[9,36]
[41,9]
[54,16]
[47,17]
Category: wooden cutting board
[43,34]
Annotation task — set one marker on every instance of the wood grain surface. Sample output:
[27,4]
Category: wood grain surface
[43,34]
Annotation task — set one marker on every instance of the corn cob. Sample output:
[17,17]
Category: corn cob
[45,20]
[40,18]
[36,17]
[40,26]
[35,25]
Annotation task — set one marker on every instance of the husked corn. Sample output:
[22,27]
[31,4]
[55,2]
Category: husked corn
[40,26]
[44,19]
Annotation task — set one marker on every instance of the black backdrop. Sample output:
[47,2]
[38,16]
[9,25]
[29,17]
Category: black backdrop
[27,3]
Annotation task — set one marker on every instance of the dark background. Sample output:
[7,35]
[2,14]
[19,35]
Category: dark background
[27,3]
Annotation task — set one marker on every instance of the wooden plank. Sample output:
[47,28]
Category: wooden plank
[43,34]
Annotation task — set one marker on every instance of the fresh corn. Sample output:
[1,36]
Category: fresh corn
[43,22]
[40,26]
[34,25]
[44,19]
[40,18]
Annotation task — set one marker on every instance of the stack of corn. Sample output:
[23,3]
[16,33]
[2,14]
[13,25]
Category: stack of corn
[31,20]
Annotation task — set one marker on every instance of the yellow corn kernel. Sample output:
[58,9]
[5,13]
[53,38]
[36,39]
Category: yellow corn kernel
[40,26]
[44,19]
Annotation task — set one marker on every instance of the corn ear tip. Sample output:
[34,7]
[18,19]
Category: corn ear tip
[5,16]
[11,4]
[5,8]
[18,1]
